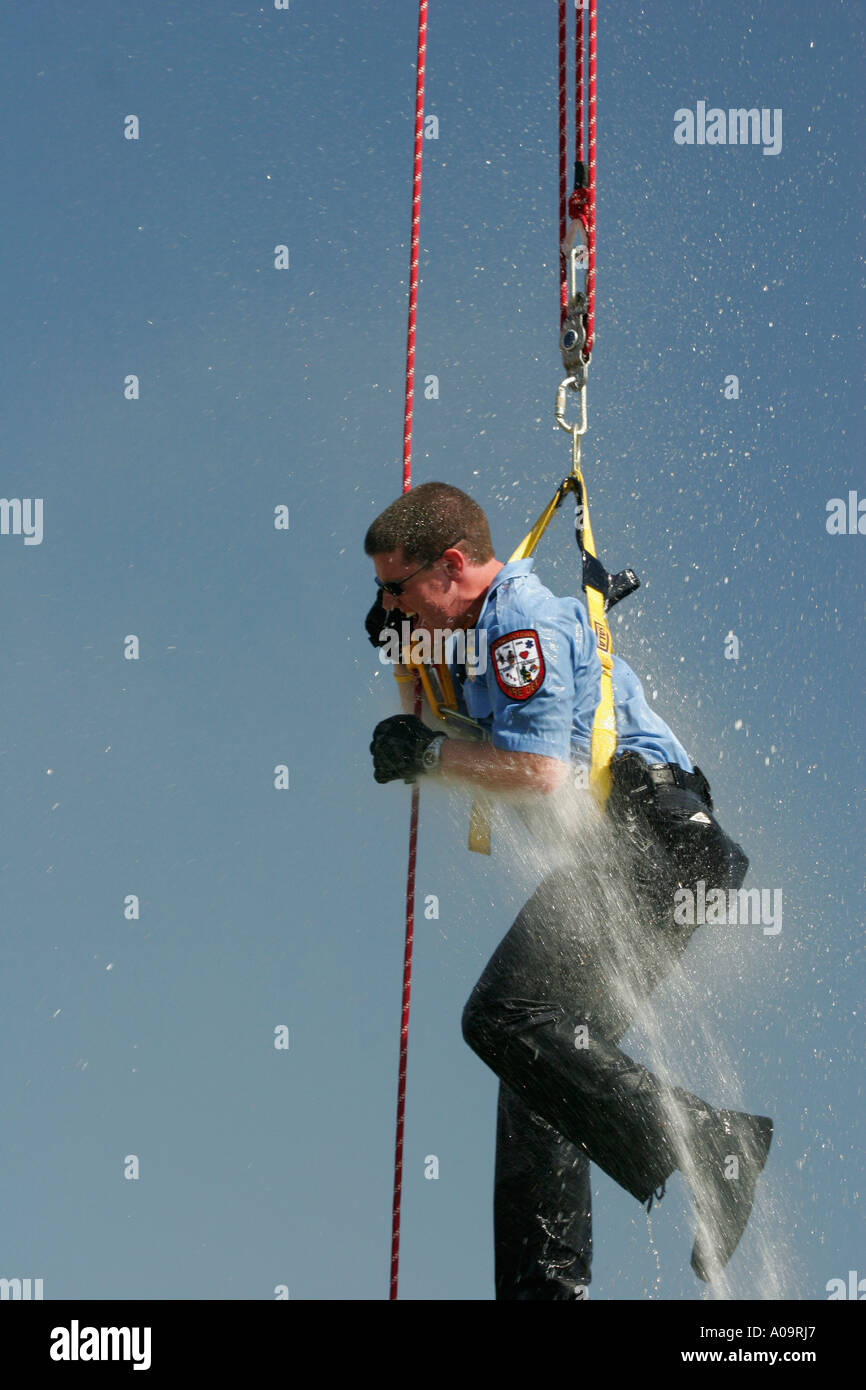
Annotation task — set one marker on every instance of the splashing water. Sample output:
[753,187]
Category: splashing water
[671,1025]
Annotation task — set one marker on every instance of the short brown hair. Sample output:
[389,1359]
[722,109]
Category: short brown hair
[428,519]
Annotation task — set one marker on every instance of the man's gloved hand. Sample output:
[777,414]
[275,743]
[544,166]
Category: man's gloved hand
[399,747]
[379,620]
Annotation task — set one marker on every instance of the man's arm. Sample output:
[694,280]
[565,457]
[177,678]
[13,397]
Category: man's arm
[498,770]
[495,769]
[399,745]
[404,747]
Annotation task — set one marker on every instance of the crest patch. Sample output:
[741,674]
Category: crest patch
[518,663]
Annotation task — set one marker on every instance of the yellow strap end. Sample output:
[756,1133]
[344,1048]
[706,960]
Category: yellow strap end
[479,829]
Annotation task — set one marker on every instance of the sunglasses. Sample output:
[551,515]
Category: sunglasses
[395,587]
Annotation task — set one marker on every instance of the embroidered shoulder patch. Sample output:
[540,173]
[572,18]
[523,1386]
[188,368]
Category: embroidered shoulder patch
[518,663]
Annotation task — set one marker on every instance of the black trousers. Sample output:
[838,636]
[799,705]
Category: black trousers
[554,1000]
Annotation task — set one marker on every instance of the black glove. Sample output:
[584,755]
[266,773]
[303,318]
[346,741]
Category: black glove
[379,620]
[398,747]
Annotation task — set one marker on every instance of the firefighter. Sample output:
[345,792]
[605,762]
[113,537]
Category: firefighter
[563,986]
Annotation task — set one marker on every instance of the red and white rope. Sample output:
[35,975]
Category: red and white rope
[581,203]
[407,483]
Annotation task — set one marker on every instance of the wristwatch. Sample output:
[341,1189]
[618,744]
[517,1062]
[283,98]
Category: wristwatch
[432,754]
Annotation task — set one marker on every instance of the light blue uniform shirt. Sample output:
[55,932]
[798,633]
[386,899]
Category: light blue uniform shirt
[541,695]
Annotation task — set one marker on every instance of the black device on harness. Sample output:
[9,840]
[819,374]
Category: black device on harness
[635,779]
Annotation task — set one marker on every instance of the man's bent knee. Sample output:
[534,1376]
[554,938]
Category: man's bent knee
[476,1027]
[489,1025]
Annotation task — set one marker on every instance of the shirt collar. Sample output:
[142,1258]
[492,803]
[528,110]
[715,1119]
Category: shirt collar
[512,570]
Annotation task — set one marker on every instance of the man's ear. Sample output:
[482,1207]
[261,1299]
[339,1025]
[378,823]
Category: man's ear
[456,562]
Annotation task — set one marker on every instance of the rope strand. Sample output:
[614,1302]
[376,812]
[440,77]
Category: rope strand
[413,260]
[581,204]
[563,168]
[407,483]
[590,274]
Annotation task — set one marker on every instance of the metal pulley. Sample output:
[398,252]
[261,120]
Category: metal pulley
[573,338]
[572,335]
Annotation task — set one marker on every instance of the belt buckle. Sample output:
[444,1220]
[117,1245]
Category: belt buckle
[661,774]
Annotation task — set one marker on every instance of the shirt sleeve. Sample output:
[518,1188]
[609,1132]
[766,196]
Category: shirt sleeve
[530,680]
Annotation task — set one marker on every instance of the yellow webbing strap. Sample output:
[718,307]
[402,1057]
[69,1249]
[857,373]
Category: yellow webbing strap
[444,695]
[603,744]
[531,539]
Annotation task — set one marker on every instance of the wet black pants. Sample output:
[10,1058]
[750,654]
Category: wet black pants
[547,1014]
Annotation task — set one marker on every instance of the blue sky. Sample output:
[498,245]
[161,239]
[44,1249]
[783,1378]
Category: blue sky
[259,908]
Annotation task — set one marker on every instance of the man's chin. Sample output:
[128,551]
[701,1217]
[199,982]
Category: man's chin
[431,622]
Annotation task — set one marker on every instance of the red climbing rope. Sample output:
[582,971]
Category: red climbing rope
[407,483]
[563,166]
[416,226]
[590,126]
[581,204]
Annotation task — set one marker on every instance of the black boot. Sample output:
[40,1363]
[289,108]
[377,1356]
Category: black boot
[728,1153]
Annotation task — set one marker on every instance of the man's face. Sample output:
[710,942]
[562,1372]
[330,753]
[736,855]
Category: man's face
[432,593]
